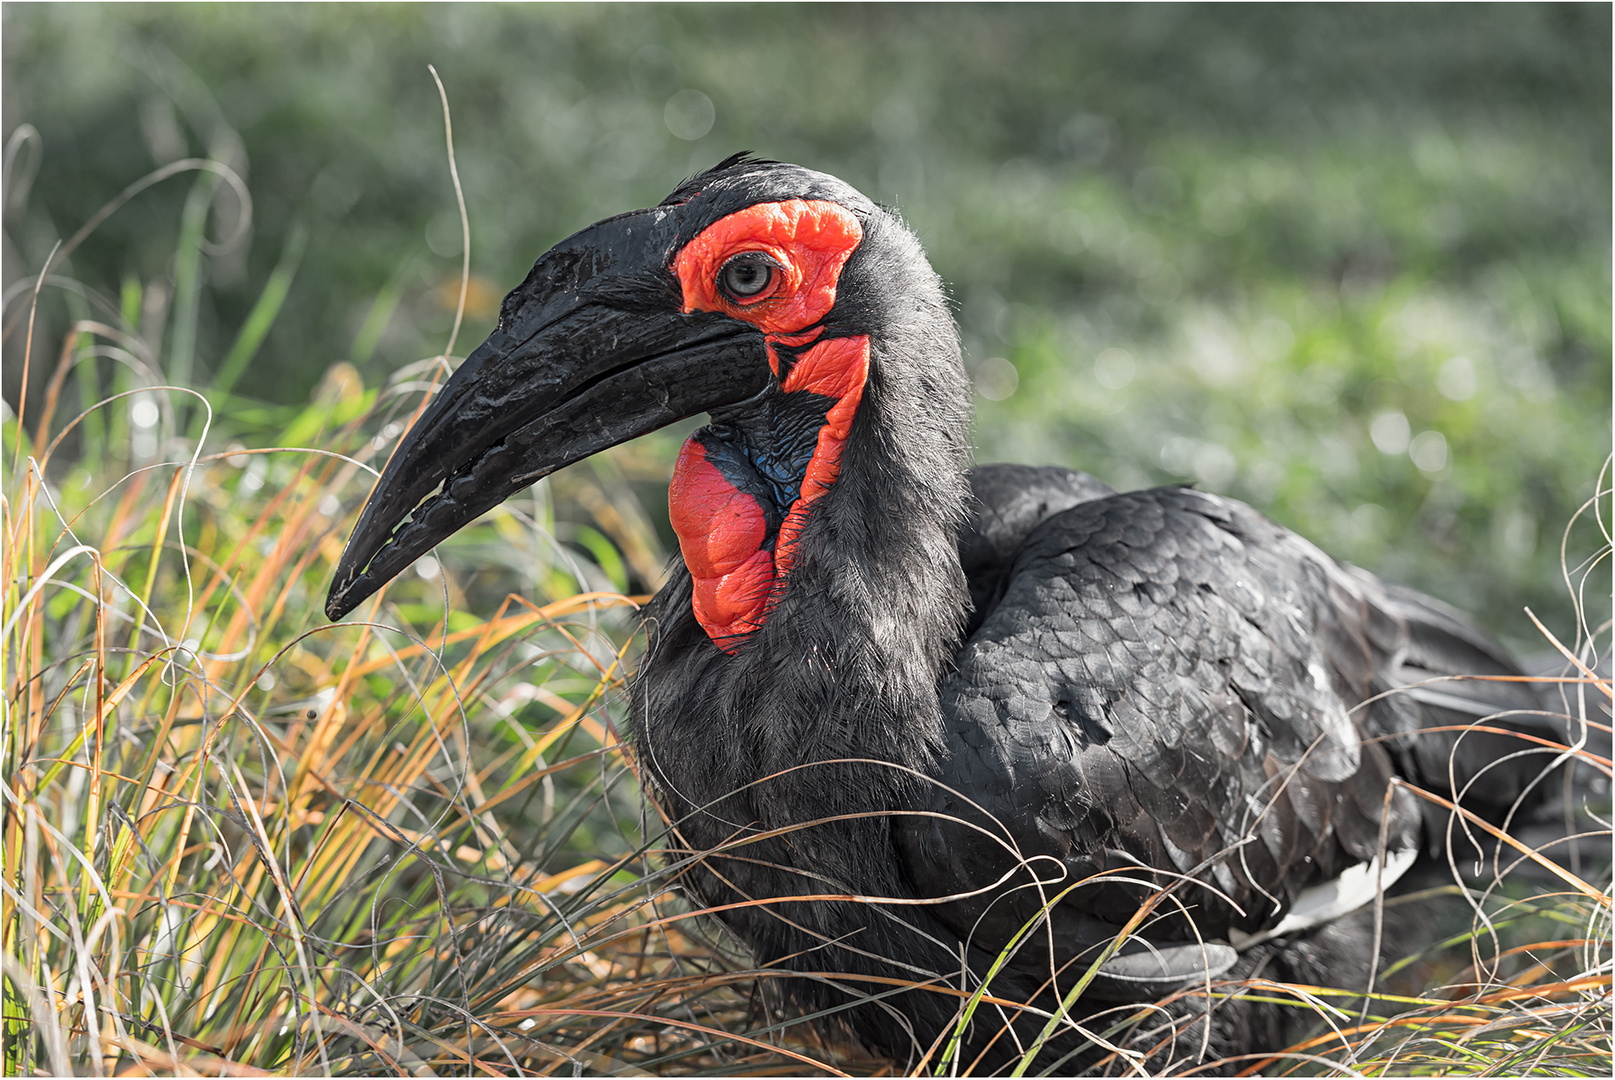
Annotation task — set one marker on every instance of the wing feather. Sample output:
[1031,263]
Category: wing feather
[1165,683]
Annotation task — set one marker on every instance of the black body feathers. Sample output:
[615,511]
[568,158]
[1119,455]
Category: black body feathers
[985,693]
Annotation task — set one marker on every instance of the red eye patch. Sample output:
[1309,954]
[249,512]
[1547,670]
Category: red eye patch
[721,529]
[809,242]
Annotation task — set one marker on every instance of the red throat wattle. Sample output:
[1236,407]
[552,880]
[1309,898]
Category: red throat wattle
[723,531]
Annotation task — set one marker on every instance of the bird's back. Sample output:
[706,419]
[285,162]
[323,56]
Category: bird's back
[1164,689]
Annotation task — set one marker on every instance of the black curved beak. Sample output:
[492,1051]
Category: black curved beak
[591,351]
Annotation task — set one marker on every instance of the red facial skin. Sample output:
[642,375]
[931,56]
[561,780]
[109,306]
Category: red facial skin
[721,530]
[721,533]
[836,369]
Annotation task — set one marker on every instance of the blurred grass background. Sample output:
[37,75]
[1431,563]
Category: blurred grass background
[1348,263]
[1351,264]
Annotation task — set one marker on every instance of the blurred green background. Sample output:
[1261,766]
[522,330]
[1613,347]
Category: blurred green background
[1351,264]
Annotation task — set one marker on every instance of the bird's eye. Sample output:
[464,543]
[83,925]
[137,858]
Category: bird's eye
[745,276]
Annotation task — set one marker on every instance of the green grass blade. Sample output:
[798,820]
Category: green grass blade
[263,314]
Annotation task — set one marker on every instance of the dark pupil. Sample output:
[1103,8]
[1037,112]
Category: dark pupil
[746,277]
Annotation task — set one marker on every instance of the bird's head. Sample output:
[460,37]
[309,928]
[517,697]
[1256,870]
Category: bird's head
[753,293]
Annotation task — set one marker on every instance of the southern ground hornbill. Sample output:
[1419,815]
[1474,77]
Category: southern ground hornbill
[912,704]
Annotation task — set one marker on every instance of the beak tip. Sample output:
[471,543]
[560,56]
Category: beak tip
[340,600]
